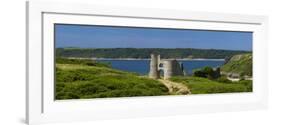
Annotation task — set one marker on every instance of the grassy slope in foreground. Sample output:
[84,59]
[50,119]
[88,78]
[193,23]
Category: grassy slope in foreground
[199,85]
[240,64]
[77,81]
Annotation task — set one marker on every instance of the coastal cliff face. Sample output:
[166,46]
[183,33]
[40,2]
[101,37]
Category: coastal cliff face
[239,65]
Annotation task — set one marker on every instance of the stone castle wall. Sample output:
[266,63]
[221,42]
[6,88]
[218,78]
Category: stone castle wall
[170,67]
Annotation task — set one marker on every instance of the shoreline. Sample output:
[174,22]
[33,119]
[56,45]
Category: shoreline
[132,59]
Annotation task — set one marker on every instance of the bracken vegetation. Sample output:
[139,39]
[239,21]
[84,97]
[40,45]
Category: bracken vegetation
[83,81]
[199,85]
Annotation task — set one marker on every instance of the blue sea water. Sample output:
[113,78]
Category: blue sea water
[142,66]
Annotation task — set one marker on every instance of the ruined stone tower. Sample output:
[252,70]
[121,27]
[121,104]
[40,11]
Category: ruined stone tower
[172,68]
[169,67]
[154,66]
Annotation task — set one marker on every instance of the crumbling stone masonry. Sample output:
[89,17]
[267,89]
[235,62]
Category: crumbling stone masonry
[169,67]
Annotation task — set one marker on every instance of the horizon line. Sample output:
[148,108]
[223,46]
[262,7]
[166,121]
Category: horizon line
[149,48]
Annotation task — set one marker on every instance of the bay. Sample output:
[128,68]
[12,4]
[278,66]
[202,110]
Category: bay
[142,66]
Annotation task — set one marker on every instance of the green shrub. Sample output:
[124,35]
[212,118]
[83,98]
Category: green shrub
[199,73]
[206,72]
[223,79]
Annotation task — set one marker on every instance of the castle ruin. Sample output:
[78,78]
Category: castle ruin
[169,67]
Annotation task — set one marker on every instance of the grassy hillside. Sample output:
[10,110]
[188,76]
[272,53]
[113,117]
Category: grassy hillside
[94,80]
[82,62]
[199,85]
[240,64]
[83,79]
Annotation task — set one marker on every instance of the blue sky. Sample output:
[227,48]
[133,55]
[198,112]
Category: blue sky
[83,36]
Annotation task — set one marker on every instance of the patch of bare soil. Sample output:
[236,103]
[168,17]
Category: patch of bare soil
[176,88]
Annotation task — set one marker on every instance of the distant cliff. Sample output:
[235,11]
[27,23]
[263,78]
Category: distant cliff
[239,65]
[144,53]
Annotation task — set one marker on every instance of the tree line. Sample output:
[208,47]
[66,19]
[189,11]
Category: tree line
[145,53]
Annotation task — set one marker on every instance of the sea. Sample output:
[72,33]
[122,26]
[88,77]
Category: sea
[142,66]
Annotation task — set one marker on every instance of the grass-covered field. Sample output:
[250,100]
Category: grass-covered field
[199,85]
[83,81]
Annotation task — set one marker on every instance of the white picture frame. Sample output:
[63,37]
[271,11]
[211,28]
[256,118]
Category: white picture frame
[42,108]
